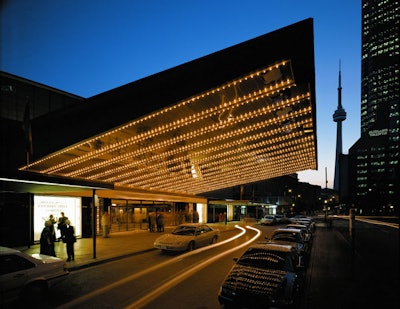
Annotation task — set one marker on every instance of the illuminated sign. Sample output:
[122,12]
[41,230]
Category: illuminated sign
[44,206]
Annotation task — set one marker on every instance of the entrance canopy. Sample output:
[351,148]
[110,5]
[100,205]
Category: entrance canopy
[237,116]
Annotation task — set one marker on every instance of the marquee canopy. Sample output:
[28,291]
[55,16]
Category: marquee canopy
[250,120]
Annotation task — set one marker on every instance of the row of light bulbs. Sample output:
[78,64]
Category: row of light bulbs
[267,140]
[242,162]
[169,142]
[211,156]
[298,160]
[243,133]
[148,134]
[172,126]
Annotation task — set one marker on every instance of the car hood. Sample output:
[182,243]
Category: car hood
[250,280]
[46,259]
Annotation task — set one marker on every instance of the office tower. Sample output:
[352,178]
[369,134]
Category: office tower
[374,158]
[339,116]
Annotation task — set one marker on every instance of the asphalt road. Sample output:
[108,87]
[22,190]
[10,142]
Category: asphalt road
[344,272]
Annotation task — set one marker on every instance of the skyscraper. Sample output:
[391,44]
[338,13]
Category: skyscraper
[374,159]
[339,116]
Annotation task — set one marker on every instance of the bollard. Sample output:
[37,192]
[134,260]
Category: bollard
[352,218]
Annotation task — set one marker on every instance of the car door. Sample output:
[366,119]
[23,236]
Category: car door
[200,236]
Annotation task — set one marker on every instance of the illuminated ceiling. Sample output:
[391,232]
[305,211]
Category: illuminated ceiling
[252,128]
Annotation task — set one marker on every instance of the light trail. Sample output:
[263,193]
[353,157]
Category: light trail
[389,224]
[371,221]
[177,279]
[111,286]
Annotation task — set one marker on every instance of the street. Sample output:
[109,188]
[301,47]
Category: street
[339,274]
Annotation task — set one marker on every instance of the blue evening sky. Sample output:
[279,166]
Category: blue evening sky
[88,47]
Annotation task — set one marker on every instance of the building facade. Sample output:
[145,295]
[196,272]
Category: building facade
[237,116]
[374,159]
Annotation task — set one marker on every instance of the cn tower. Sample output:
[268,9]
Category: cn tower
[338,117]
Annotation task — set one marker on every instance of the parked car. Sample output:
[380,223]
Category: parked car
[304,227]
[294,237]
[303,219]
[186,237]
[268,220]
[28,277]
[281,219]
[307,221]
[264,276]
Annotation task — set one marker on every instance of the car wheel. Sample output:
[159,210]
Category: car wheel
[35,291]
[191,246]
[214,239]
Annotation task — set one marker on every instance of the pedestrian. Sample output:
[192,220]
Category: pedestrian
[61,224]
[195,216]
[47,240]
[69,239]
[105,224]
[152,220]
[149,222]
[52,222]
[160,222]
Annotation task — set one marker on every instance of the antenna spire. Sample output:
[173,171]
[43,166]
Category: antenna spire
[340,86]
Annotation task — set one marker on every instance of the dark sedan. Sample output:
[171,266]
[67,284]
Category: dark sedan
[264,276]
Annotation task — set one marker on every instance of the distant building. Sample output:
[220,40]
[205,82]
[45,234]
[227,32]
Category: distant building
[281,195]
[374,160]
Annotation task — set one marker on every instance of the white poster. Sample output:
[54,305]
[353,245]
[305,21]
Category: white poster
[44,206]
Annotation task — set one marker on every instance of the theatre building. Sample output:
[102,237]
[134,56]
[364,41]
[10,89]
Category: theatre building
[238,116]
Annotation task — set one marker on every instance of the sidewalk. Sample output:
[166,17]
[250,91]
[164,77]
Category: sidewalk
[330,276]
[116,246]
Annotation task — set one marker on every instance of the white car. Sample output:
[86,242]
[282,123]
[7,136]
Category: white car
[268,220]
[28,277]
[186,237]
[301,227]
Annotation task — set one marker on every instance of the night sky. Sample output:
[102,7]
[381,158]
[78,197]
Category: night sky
[88,47]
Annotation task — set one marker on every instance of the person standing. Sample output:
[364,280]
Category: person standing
[61,224]
[195,216]
[69,239]
[52,222]
[105,224]
[47,240]
[160,222]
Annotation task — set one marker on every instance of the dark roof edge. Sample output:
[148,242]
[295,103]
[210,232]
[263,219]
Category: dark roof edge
[28,81]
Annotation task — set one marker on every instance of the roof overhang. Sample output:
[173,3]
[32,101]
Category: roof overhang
[256,120]
[30,182]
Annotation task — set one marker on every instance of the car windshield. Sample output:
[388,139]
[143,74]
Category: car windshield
[293,237]
[266,260]
[184,230]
